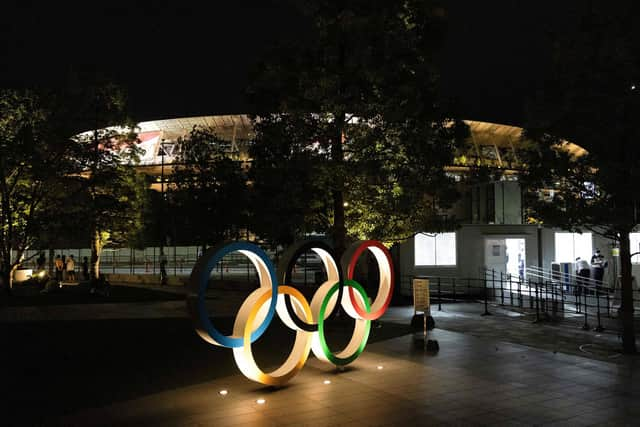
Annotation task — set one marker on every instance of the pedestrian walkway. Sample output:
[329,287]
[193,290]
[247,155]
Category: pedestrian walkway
[506,324]
[491,370]
[471,381]
[514,327]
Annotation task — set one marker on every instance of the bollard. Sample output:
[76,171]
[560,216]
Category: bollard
[598,328]
[486,308]
[520,291]
[562,300]
[530,298]
[537,303]
[586,323]
[554,300]
[493,284]
[510,291]
[439,296]
[501,289]
[454,289]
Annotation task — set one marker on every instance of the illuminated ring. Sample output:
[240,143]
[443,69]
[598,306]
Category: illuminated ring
[243,326]
[334,274]
[360,334]
[385,268]
[197,288]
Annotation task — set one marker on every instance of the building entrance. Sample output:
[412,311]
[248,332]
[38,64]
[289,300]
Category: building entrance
[506,256]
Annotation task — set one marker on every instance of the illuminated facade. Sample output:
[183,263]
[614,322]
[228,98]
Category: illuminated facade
[494,233]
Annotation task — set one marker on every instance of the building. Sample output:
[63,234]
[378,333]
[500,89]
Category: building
[494,232]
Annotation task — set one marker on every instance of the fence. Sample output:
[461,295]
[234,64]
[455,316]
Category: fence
[542,293]
[180,262]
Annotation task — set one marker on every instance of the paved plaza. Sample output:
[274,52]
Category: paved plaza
[141,364]
[471,381]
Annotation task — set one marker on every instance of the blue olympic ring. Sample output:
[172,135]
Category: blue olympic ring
[196,297]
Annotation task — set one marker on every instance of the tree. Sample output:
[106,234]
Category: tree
[351,137]
[593,101]
[112,192]
[211,186]
[33,162]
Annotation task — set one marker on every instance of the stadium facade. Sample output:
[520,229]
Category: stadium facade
[494,233]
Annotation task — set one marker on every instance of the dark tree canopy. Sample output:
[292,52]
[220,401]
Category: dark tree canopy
[594,101]
[351,136]
[32,162]
[208,189]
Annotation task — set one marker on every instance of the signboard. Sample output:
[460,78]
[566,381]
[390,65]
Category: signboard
[421,299]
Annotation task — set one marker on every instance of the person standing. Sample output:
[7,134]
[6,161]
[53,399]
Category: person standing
[163,268]
[64,268]
[59,265]
[85,268]
[598,264]
[583,272]
[71,269]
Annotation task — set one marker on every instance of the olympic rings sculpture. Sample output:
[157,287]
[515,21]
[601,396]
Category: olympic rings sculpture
[274,295]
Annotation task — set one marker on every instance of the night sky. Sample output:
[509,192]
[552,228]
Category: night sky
[177,58]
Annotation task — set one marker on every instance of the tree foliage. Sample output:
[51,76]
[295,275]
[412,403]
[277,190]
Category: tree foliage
[107,196]
[27,166]
[210,186]
[592,100]
[351,137]
[113,192]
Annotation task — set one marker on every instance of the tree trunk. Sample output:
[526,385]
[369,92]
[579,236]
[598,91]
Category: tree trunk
[337,156]
[96,250]
[626,306]
[51,255]
[11,273]
[5,269]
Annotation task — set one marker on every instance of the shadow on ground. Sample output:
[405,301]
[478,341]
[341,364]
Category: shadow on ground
[31,295]
[59,367]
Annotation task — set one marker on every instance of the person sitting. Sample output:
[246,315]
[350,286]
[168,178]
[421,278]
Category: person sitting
[100,286]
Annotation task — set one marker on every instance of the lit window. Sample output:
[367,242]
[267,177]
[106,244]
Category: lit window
[435,249]
[634,246]
[570,246]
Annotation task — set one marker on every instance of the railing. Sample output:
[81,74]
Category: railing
[538,295]
[180,262]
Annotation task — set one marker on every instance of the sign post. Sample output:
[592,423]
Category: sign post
[422,303]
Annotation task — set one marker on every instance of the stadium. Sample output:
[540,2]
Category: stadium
[493,233]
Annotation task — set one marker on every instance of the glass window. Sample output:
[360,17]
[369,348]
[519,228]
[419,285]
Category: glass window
[570,246]
[634,246]
[435,249]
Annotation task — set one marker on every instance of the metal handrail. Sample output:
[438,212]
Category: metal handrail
[544,298]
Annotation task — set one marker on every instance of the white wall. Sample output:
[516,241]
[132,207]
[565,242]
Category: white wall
[470,252]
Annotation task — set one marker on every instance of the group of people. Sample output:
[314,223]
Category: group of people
[65,268]
[587,272]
